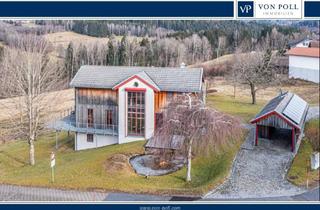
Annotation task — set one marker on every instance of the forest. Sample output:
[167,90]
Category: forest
[156,42]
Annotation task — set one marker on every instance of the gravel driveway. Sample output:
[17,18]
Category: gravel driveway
[260,171]
[257,172]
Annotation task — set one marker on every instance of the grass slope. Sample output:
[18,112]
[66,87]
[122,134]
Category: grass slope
[301,164]
[240,107]
[88,170]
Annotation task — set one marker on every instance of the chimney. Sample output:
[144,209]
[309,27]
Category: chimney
[182,65]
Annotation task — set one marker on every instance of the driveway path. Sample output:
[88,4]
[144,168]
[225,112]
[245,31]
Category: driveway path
[258,172]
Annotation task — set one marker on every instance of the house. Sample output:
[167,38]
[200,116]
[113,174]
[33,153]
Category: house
[304,63]
[283,119]
[314,44]
[115,105]
[304,42]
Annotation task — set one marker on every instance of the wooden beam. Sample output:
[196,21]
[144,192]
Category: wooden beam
[257,131]
[293,140]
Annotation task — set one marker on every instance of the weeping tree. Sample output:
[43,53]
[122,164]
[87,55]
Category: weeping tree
[30,76]
[204,129]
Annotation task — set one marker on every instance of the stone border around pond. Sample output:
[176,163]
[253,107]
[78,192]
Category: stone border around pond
[140,169]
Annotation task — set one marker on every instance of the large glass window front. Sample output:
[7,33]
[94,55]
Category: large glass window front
[136,113]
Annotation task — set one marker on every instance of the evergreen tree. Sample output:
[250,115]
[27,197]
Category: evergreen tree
[111,52]
[83,55]
[69,62]
[123,57]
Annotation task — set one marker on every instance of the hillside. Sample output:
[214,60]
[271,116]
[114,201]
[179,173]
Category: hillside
[211,63]
[63,100]
[64,38]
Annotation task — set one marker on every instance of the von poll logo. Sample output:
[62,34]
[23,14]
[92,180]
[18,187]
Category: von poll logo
[245,9]
[278,9]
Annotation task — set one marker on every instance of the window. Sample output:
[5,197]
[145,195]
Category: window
[109,118]
[136,115]
[89,137]
[90,118]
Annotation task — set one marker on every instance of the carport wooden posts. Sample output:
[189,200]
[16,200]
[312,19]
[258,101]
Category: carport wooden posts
[292,140]
[257,132]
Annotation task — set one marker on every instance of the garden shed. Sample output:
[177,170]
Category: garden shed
[282,118]
[167,148]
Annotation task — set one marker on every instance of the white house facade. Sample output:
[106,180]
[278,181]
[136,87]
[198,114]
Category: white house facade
[116,105]
[304,64]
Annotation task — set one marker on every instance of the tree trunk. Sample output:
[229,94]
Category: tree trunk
[189,163]
[31,152]
[253,93]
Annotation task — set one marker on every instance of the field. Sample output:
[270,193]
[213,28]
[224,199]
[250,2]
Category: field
[63,100]
[240,105]
[211,63]
[64,38]
[105,169]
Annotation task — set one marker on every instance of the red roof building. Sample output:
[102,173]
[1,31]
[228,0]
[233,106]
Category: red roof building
[305,51]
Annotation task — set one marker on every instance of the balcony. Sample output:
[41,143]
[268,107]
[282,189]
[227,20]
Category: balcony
[68,123]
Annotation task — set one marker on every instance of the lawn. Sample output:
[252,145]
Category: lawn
[239,106]
[93,170]
[298,173]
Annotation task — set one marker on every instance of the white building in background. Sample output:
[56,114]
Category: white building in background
[304,63]
[299,43]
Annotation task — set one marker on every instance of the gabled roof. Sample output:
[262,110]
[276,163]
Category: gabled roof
[166,79]
[295,42]
[143,77]
[305,51]
[314,44]
[175,143]
[287,106]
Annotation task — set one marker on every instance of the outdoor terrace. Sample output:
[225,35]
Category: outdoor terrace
[68,123]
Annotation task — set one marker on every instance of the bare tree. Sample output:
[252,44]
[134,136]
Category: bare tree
[30,75]
[221,44]
[255,69]
[205,130]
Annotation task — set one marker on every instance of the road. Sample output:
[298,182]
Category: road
[11,193]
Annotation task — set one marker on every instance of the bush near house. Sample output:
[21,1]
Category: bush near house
[106,168]
[300,170]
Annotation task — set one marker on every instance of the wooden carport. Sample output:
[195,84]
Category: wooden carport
[286,111]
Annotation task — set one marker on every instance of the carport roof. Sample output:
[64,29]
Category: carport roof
[288,106]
